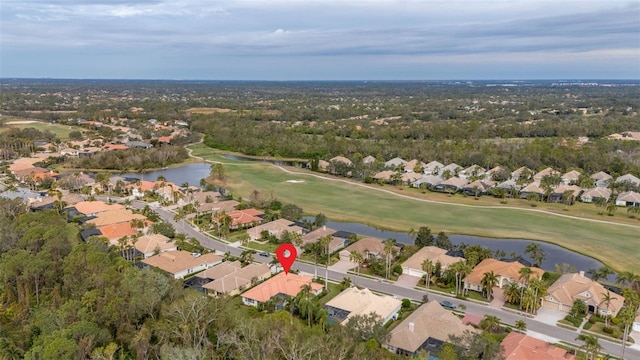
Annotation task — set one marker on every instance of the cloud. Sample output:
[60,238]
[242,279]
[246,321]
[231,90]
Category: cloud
[400,30]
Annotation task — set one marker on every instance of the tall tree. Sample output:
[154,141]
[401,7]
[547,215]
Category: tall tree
[428,267]
[489,281]
[424,237]
[536,253]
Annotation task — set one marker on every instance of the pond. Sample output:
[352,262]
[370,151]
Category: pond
[191,173]
[555,254]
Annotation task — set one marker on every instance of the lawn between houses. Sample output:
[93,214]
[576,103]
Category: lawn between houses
[616,245]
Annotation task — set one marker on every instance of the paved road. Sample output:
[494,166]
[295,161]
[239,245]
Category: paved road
[390,288]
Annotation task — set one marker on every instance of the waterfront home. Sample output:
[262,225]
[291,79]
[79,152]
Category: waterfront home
[274,228]
[576,286]
[353,301]
[413,265]
[335,244]
[368,247]
[230,278]
[628,198]
[506,272]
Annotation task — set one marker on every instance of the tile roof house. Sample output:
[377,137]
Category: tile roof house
[571,177]
[428,180]
[113,232]
[341,159]
[94,207]
[558,193]
[575,286]
[545,172]
[410,177]
[628,198]
[280,285]
[353,301]
[518,346]
[491,172]
[453,168]
[602,179]
[335,244]
[231,278]
[394,163]
[592,195]
[451,184]
[369,160]
[410,165]
[413,265]
[477,187]
[244,218]
[505,271]
[368,247]
[226,206]
[417,332]
[384,175]
[150,244]
[515,175]
[628,178]
[181,263]
[115,217]
[433,168]
[275,228]
[473,170]
[533,188]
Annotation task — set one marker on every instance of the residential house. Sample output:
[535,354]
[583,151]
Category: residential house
[477,187]
[241,219]
[114,232]
[25,195]
[353,301]
[413,265]
[368,247]
[341,159]
[335,244]
[506,272]
[153,244]
[495,170]
[510,186]
[218,206]
[181,263]
[281,285]
[516,174]
[369,160]
[472,171]
[433,168]
[275,228]
[230,278]
[571,177]
[411,165]
[115,216]
[628,198]
[165,139]
[428,181]
[425,329]
[384,176]
[452,168]
[537,177]
[592,195]
[395,163]
[557,194]
[601,179]
[112,147]
[92,208]
[138,144]
[576,286]
[533,188]
[453,184]
[410,177]
[628,178]
[518,346]
[323,165]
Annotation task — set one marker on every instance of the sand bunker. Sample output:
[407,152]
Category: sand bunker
[295,181]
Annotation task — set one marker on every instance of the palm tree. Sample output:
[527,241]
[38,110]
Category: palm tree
[356,257]
[626,317]
[428,267]
[606,300]
[525,277]
[594,274]
[490,323]
[627,278]
[324,244]
[489,280]
[388,250]
[539,291]
[521,326]
[305,304]
[536,253]
[601,204]
[512,293]
[591,346]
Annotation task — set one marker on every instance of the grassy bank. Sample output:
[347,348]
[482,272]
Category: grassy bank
[617,245]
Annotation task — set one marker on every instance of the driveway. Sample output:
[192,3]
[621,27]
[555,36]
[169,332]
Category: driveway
[498,298]
[550,316]
[343,266]
[407,281]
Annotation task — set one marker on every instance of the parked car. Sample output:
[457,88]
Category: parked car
[447,305]
[264,253]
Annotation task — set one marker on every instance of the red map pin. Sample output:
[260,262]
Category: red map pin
[286,255]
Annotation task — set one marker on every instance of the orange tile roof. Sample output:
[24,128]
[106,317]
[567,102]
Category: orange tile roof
[522,347]
[149,243]
[115,217]
[509,270]
[164,139]
[176,261]
[116,147]
[93,207]
[116,231]
[244,217]
[288,284]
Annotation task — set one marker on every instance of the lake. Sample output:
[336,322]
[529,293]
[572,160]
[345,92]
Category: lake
[191,173]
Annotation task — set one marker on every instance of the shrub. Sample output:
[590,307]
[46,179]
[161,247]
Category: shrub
[574,320]
[406,303]
[608,330]
[508,329]
[592,319]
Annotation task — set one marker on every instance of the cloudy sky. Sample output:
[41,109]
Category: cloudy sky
[320,40]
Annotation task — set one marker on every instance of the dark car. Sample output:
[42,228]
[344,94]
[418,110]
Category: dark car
[447,305]
[264,253]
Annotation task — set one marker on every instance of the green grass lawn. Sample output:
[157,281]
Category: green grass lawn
[60,131]
[616,245]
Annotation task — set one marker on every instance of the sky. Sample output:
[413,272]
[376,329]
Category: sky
[320,40]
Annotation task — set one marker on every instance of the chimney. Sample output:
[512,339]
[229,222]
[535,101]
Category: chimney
[411,326]
[581,273]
